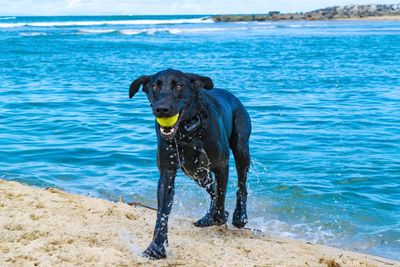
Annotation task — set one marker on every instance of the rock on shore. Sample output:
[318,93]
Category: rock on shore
[335,12]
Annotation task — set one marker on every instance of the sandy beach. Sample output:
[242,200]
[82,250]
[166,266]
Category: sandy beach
[48,227]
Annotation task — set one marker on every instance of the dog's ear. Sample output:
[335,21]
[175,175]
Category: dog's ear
[135,85]
[201,81]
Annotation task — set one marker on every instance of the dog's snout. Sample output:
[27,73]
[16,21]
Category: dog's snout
[162,111]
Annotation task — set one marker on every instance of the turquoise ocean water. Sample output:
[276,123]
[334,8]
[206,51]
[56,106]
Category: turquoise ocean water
[324,98]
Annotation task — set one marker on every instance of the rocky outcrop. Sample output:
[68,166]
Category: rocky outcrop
[335,12]
[355,11]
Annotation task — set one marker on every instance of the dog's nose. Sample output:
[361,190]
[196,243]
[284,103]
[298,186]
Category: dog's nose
[162,111]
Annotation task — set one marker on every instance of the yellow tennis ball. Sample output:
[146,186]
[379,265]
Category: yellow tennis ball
[168,122]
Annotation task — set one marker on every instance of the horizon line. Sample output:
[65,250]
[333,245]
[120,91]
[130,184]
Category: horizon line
[96,15]
[128,15]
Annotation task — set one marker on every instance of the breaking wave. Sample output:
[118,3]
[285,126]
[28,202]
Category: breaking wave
[7,18]
[151,31]
[33,34]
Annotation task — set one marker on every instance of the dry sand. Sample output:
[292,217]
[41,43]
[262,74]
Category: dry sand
[52,228]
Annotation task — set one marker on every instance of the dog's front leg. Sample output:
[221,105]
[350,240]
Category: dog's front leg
[165,194]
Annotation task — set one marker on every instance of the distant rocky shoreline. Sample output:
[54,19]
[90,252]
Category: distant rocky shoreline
[329,13]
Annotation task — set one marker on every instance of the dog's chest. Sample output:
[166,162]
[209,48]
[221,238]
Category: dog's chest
[194,160]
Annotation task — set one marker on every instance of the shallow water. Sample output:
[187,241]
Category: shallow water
[324,98]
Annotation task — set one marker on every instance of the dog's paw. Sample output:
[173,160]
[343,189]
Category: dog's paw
[155,252]
[239,218]
[210,220]
[220,218]
[206,221]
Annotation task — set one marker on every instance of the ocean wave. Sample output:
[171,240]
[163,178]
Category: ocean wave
[11,25]
[170,31]
[7,18]
[104,22]
[300,25]
[96,31]
[124,32]
[33,34]
[152,31]
[136,32]
[311,232]
[265,27]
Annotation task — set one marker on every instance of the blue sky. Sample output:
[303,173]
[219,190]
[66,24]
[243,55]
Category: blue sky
[105,7]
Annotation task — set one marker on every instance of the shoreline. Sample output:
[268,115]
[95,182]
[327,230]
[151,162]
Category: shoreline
[49,227]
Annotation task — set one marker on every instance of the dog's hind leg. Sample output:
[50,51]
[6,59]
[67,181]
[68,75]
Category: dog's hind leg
[210,186]
[216,215]
[240,148]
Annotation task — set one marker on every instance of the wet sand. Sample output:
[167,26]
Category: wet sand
[41,227]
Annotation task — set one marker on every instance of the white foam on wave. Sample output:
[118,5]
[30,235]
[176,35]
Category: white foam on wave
[171,30]
[136,32]
[96,31]
[33,34]
[312,233]
[295,26]
[265,27]
[104,22]
[7,18]
[152,31]
[301,25]
[11,25]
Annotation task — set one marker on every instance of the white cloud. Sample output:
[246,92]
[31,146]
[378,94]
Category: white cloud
[109,7]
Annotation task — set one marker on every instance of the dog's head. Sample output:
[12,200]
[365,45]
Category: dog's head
[170,92]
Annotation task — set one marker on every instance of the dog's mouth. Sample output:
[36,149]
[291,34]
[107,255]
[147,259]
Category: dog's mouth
[169,125]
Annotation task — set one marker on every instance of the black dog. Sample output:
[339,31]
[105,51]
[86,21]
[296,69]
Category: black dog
[202,124]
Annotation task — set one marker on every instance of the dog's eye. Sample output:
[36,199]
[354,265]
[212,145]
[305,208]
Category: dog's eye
[179,87]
